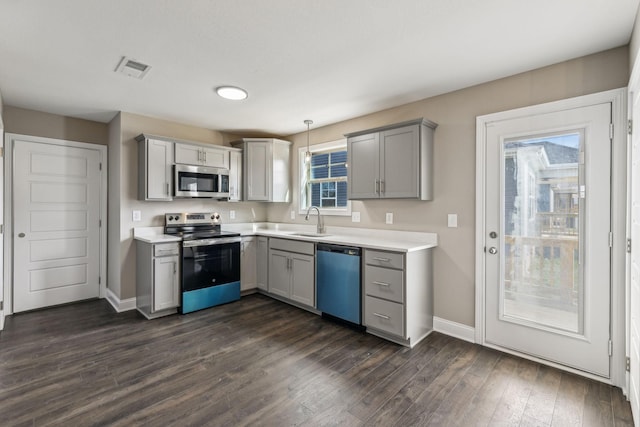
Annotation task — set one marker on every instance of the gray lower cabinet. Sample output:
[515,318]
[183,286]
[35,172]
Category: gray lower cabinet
[292,270]
[157,278]
[391,162]
[262,263]
[398,295]
[248,264]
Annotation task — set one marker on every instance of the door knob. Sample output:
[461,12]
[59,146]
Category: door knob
[493,250]
[21,235]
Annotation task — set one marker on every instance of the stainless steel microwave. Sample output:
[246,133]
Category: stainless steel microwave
[200,181]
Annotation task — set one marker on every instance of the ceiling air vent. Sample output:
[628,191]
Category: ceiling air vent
[132,68]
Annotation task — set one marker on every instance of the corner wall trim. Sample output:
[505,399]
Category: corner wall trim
[453,329]
[118,305]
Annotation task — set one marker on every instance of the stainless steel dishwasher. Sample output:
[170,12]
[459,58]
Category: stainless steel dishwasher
[338,282]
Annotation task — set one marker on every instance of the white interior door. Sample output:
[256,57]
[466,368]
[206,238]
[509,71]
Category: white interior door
[56,232]
[548,223]
[634,261]
[2,303]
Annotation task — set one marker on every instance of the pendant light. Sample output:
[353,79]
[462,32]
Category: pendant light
[307,155]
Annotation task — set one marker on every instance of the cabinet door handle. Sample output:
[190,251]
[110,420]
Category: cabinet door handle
[382,316]
[382,259]
[376,186]
[381,186]
[205,156]
[175,268]
[166,184]
[381,284]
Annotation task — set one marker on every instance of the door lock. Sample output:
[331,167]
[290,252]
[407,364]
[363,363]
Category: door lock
[493,234]
[21,235]
[493,250]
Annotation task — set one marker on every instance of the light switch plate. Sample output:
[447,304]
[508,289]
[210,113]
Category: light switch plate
[137,216]
[452,220]
[389,218]
[355,216]
[293,214]
[232,214]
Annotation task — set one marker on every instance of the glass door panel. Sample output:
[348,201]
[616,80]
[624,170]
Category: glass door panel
[542,279]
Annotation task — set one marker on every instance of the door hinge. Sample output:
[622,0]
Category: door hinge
[1,305]
[610,239]
[628,246]
[628,364]
[99,280]
[630,127]
[1,151]
[610,130]
[1,228]
[100,166]
[99,223]
[610,348]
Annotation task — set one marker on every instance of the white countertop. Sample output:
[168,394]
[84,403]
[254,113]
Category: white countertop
[153,235]
[390,240]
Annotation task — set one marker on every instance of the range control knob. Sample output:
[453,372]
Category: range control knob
[177,217]
[170,218]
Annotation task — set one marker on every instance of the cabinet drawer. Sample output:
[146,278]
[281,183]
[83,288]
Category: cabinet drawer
[384,283]
[292,246]
[384,259]
[166,249]
[384,315]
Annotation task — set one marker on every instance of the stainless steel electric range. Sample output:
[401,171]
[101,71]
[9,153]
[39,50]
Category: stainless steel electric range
[210,260]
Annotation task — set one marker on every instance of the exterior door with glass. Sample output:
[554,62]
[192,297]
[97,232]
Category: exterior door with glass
[547,243]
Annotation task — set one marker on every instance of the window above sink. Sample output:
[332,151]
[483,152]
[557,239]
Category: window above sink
[323,180]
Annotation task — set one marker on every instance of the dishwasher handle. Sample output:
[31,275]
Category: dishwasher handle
[346,250]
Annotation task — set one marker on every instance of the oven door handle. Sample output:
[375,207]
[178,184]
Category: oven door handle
[211,242]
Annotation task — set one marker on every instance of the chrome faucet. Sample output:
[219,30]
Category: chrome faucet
[320,227]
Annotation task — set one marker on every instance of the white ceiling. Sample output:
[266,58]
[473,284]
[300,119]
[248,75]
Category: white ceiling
[326,60]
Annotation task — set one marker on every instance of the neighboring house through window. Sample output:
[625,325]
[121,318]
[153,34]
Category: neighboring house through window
[323,180]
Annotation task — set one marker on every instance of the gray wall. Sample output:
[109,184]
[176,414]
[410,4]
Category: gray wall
[126,192]
[37,123]
[634,44]
[454,170]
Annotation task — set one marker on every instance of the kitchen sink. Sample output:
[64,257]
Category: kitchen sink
[317,235]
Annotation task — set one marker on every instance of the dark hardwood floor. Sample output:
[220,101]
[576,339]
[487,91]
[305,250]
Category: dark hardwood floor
[261,362]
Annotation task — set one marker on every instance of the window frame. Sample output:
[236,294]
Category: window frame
[318,148]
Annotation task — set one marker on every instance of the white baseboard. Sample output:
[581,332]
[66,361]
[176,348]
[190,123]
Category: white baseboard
[120,305]
[453,329]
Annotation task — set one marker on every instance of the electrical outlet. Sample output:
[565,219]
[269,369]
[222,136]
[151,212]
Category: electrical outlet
[389,218]
[355,216]
[293,214]
[137,216]
[232,214]
[452,220]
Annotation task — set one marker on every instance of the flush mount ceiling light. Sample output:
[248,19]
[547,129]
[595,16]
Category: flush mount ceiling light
[307,155]
[231,92]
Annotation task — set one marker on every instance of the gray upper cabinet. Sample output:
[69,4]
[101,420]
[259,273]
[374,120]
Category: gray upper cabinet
[392,162]
[204,156]
[155,161]
[265,169]
[235,175]
[364,166]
